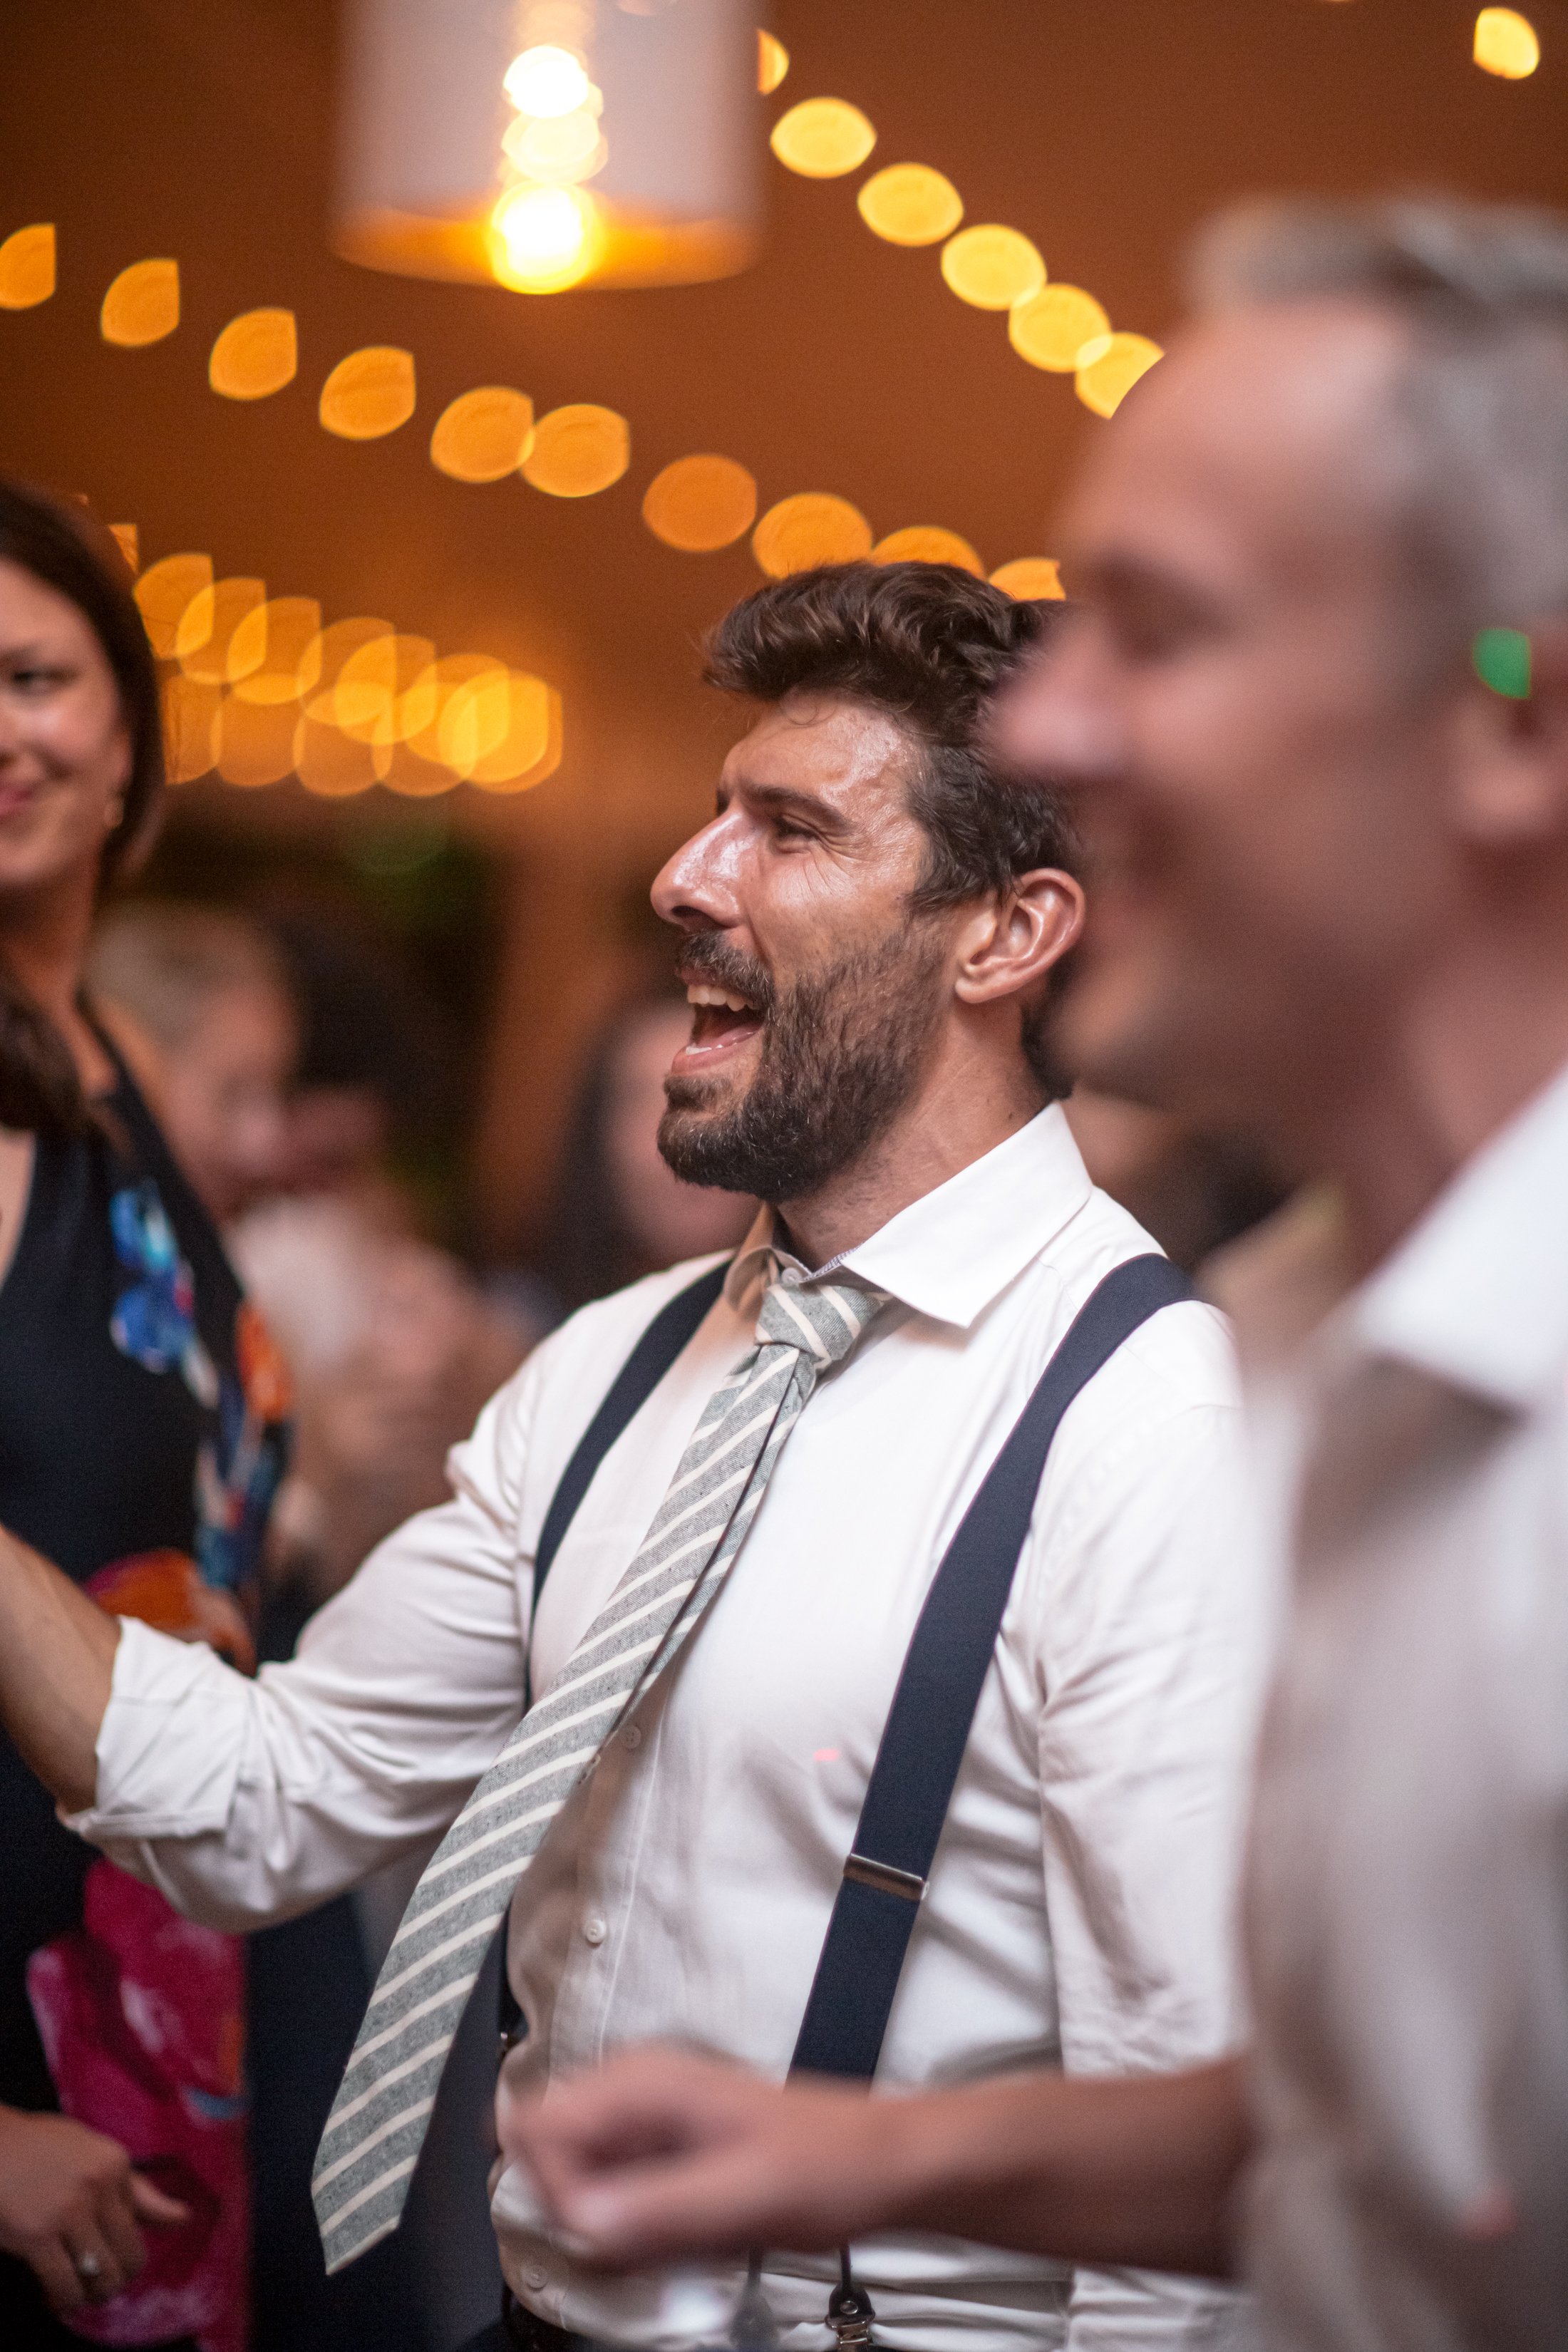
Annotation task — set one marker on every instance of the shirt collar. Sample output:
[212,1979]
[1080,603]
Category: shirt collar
[1477,1294]
[951,1252]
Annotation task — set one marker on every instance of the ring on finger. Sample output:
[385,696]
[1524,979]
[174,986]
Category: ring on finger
[87,2268]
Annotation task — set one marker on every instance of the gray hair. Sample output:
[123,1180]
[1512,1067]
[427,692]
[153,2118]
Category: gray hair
[1482,397]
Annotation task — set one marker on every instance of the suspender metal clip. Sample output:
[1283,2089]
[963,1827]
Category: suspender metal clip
[850,2311]
[884,1878]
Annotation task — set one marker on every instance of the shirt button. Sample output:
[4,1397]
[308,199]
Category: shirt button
[536,2276]
[594,1930]
[632,1736]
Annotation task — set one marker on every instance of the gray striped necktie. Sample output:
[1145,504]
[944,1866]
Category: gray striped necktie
[382,2107]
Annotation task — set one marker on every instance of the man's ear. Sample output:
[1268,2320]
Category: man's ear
[1011,941]
[1509,778]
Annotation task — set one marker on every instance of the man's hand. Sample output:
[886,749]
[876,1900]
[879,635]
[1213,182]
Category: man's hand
[57,1668]
[663,2156]
[71,2206]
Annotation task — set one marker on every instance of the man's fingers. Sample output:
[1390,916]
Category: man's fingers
[150,2204]
[647,2212]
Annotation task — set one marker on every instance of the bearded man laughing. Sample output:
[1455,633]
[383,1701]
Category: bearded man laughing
[892,1681]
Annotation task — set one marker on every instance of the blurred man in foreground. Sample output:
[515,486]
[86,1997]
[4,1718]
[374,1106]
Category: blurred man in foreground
[1316,719]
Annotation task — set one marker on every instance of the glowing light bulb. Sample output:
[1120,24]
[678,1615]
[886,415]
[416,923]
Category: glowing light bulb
[1506,44]
[546,80]
[545,235]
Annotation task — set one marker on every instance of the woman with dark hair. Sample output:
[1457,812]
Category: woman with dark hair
[142,1437]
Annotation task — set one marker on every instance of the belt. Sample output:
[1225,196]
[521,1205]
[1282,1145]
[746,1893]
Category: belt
[531,2334]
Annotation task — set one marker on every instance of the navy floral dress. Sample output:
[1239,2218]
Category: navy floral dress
[143,1432]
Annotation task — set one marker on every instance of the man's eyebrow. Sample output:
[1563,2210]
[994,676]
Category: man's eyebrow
[786,800]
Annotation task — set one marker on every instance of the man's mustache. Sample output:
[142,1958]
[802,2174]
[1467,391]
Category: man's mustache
[709,955]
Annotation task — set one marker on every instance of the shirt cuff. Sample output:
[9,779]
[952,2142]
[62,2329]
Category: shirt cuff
[170,1744]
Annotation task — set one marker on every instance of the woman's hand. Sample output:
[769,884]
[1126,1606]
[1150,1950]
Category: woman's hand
[71,2206]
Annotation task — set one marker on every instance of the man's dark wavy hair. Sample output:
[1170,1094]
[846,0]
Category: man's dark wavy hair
[930,645]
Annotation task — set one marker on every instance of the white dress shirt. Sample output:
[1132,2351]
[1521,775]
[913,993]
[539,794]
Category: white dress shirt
[1080,1907]
[1407,1905]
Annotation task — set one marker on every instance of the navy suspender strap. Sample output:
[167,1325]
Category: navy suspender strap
[928,1726]
[655,1353]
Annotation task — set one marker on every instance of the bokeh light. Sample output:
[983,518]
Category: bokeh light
[256,355]
[927,543]
[813,527]
[205,631]
[530,747]
[1052,327]
[822,138]
[254,742]
[274,654]
[128,539]
[543,238]
[578,450]
[337,642]
[700,503]
[332,764]
[1105,383]
[772,62]
[369,394]
[908,203]
[380,692]
[416,778]
[484,435]
[546,80]
[1032,579]
[190,727]
[993,267]
[28,267]
[165,593]
[143,304]
[1506,44]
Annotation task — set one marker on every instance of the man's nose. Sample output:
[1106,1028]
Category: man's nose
[695,889]
[1059,720]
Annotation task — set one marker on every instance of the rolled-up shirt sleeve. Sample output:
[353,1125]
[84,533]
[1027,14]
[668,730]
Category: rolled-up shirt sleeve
[243,1801]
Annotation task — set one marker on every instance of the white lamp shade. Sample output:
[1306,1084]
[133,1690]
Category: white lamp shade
[675,191]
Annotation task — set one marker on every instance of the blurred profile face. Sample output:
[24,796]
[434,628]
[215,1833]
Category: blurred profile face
[668,1219]
[224,1097]
[817,996]
[1251,733]
[65,752]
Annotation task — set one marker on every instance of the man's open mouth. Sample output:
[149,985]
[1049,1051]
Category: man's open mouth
[721,1022]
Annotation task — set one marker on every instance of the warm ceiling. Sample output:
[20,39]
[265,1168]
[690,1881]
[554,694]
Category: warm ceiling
[200,128]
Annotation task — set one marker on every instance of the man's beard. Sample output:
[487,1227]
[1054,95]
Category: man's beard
[843,1052]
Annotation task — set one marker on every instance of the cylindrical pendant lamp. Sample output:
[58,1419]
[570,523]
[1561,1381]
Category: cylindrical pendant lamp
[546,143]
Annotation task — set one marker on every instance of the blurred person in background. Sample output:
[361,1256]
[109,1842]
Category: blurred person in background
[211,991]
[1197,1193]
[621,1210]
[142,1437]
